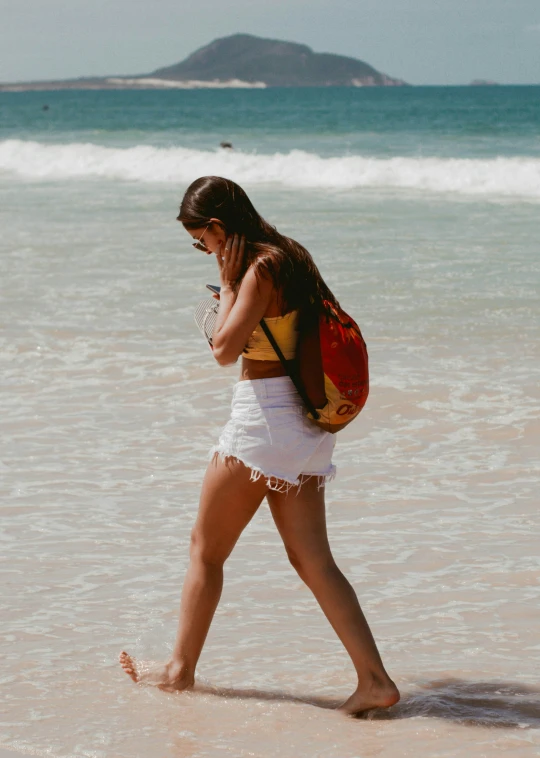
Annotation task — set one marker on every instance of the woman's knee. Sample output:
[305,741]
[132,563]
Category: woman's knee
[310,567]
[206,551]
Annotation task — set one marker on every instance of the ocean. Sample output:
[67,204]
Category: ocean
[421,207]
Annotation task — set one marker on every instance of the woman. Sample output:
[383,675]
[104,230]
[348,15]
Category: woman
[268,448]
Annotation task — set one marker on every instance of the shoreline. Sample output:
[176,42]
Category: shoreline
[150,84]
[129,83]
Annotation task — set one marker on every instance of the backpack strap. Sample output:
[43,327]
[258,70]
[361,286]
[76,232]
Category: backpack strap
[291,371]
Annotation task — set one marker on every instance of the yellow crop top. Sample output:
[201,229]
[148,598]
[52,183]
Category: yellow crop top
[284,330]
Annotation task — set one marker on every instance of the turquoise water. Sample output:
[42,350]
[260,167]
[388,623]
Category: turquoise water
[463,140]
[421,208]
[450,121]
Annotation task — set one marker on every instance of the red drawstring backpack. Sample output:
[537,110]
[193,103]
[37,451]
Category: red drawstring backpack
[344,361]
[331,373]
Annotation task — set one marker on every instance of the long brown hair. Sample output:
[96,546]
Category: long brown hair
[292,269]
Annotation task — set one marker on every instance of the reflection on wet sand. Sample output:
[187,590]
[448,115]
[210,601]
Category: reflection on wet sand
[493,704]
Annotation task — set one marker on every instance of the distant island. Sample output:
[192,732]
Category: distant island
[483,83]
[239,61]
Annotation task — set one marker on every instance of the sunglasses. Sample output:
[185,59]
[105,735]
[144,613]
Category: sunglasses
[199,244]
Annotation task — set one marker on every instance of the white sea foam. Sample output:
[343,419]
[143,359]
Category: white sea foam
[509,177]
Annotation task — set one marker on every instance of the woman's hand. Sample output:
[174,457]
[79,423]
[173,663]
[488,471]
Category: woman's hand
[230,260]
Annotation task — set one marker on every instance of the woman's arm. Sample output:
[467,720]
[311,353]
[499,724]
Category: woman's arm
[239,313]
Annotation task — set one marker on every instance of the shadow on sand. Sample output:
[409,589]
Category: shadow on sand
[493,704]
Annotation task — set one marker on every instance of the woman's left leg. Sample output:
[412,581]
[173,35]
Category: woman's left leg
[301,520]
[229,499]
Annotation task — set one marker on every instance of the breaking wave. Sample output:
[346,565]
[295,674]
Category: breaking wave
[509,177]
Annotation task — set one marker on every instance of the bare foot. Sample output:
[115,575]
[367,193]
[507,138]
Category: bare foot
[373,695]
[171,677]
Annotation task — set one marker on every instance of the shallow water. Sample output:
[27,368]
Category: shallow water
[111,401]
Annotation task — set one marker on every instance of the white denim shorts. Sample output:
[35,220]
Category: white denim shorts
[269,433]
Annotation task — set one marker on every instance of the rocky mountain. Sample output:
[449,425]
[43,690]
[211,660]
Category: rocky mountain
[275,63]
[241,60]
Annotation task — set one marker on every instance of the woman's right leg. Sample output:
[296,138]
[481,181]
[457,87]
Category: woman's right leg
[229,500]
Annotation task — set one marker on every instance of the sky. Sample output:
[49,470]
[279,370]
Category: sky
[420,41]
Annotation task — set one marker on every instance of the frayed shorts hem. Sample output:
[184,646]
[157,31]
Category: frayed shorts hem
[273,482]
